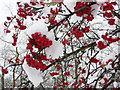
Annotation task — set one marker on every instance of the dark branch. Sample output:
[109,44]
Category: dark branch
[69,54]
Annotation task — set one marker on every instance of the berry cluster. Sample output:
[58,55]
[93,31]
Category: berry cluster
[20,26]
[54,12]
[64,42]
[7,31]
[107,14]
[4,71]
[77,33]
[106,8]
[23,11]
[53,21]
[14,40]
[54,73]
[34,59]
[109,40]
[6,24]
[101,45]
[26,10]
[75,85]
[35,64]
[94,60]
[39,41]
[86,29]
[10,60]
[17,60]
[70,65]
[67,73]
[51,18]
[58,67]
[29,10]
[86,11]
[111,21]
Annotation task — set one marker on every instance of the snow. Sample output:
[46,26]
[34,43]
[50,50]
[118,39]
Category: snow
[54,50]
[95,9]
[115,84]
[101,1]
[69,4]
[34,75]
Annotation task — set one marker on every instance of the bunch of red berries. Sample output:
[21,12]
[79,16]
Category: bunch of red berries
[14,39]
[25,9]
[39,41]
[34,59]
[106,8]
[32,62]
[4,71]
[109,40]
[87,11]
[77,33]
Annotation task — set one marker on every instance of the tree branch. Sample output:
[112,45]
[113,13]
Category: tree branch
[69,54]
[77,11]
[115,14]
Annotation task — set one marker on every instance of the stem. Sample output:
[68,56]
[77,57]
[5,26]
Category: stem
[2,81]
[115,14]
[62,75]
[76,68]
[14,75]
[19,75]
